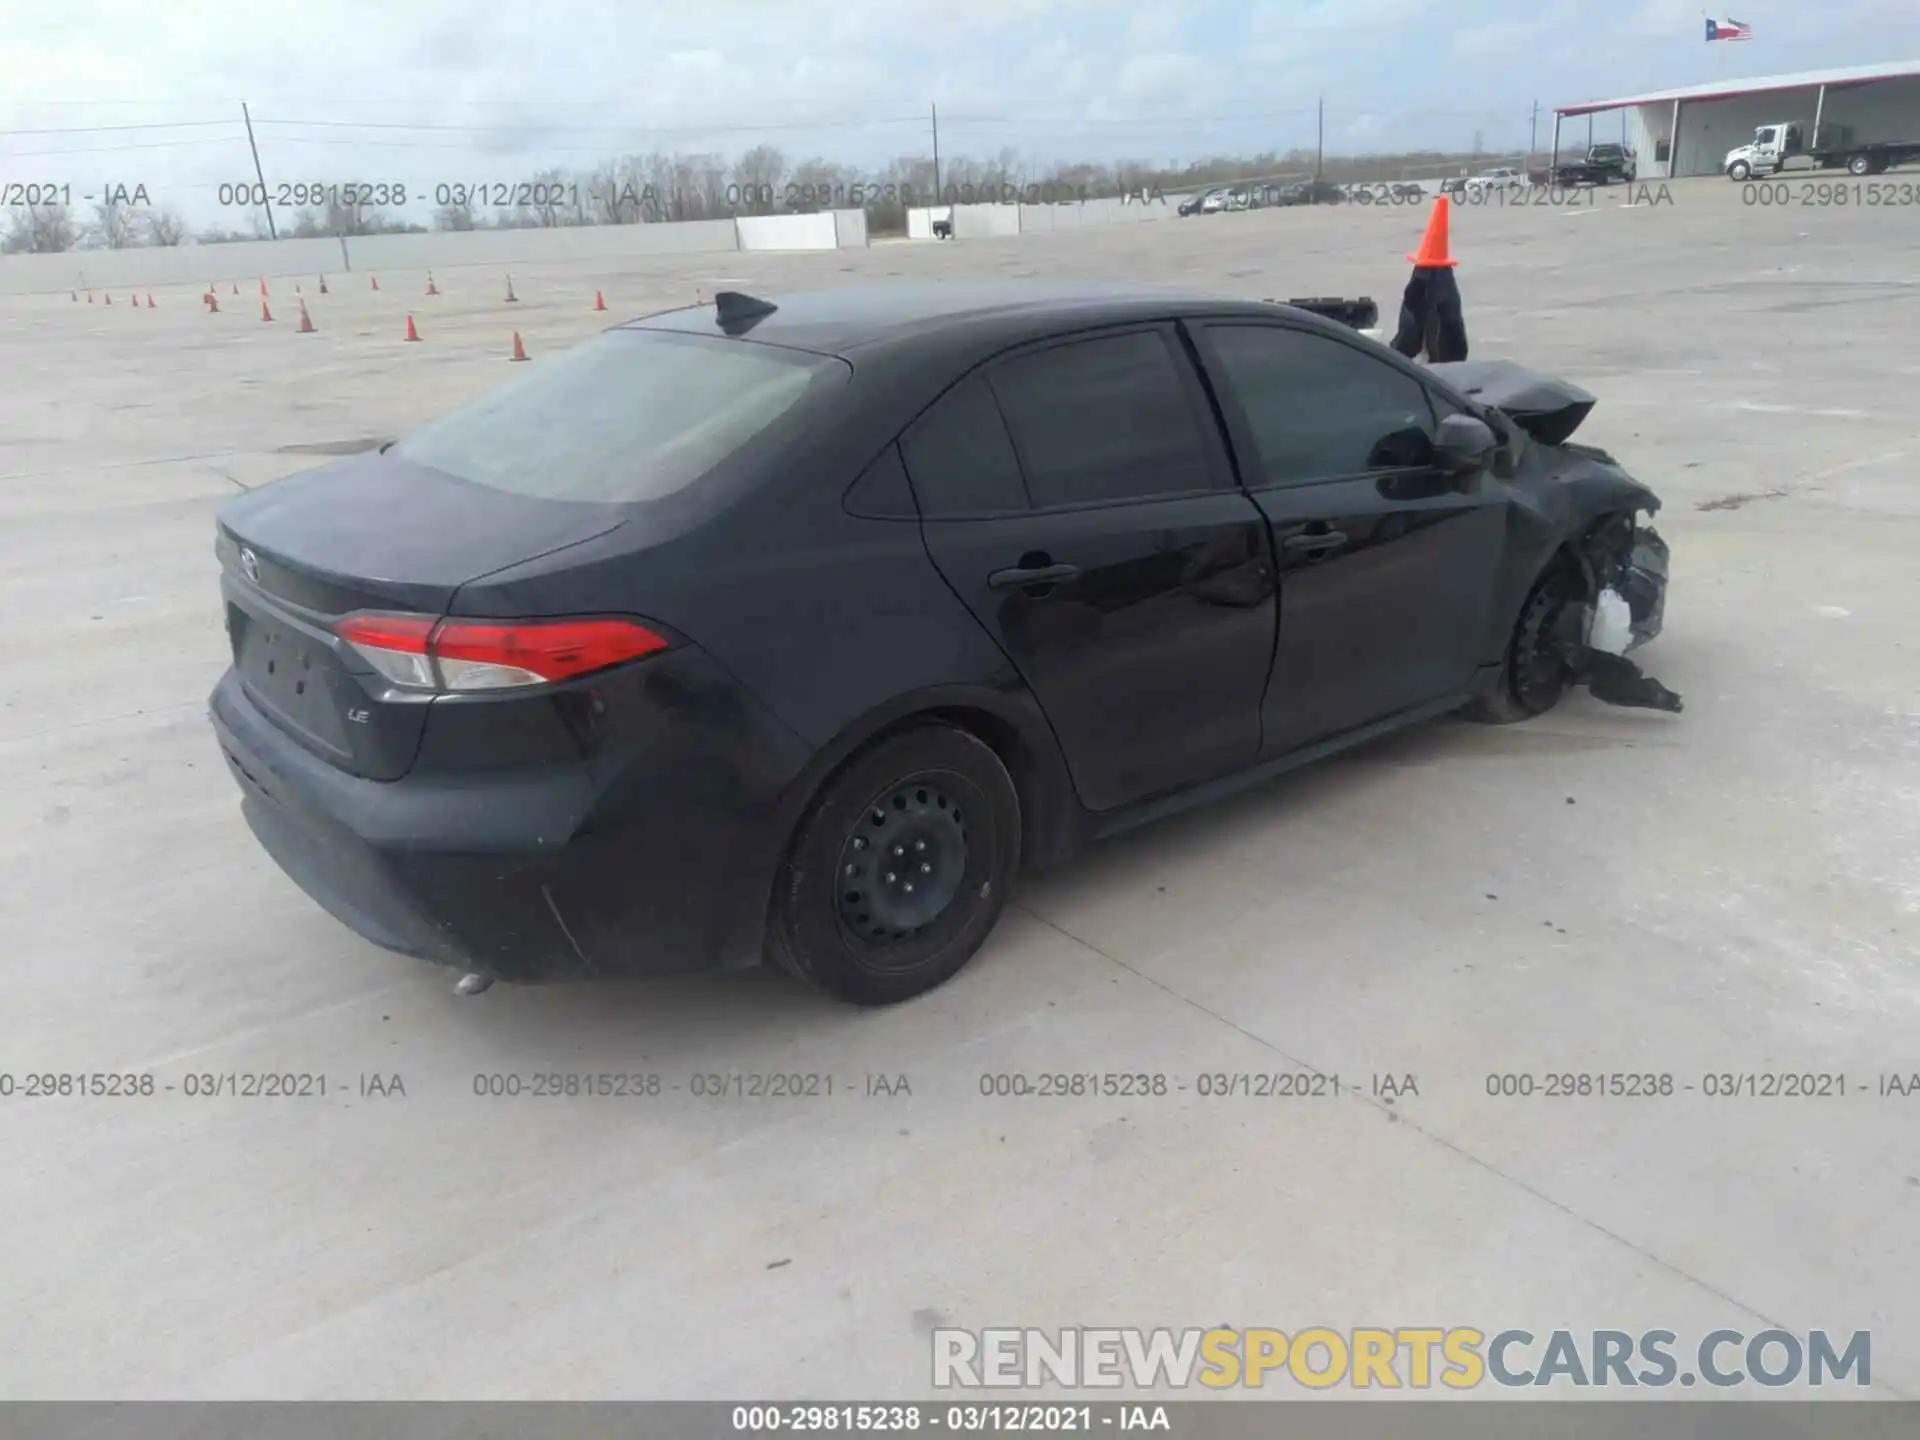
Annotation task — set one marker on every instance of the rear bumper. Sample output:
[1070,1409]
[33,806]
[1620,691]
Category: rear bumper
[654,855]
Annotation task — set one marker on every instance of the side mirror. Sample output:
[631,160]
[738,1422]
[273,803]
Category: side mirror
[1463,446]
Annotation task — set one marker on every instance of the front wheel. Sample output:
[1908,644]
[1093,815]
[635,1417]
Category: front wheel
[900,870]
[1739,170]
[1535,674]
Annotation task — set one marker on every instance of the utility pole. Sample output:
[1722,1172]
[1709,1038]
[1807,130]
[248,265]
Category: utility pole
[272,234]
[1320,141]
[934,110]
[1533,132]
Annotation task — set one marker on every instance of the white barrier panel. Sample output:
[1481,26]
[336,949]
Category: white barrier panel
[979,222]
[850,229]
[244,260]
[787,232]
[922,218]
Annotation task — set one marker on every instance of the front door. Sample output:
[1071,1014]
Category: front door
[1387,566]
[1078,498]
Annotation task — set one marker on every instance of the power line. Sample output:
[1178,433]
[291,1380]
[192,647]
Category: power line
[102,129]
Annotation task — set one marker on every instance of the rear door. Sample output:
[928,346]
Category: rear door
[1077,498]
[1387,567]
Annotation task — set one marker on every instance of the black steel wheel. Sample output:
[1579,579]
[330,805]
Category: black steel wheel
[900,869]
[1535,675]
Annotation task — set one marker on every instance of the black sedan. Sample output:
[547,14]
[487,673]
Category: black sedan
[794,630]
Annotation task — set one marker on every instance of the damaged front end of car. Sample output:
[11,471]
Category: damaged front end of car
[1578,509]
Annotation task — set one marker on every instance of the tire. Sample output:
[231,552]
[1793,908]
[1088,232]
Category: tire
[1739,170]
[1860,165]
[942,794]
[1532,680]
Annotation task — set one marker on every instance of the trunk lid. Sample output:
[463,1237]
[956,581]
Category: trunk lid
[371,532]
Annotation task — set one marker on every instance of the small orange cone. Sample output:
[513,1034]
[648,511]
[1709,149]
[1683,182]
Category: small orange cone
[306,320]
[296,287]
[213,303]
[76,296]
[519,350]
[432,289]
[236,287]
[1433,254]
[599,301]
[263,287]
[150,300]
[511,297]
[323,284]
[265,314]
[412,334]
[376,282]
[89,297]
[109,297]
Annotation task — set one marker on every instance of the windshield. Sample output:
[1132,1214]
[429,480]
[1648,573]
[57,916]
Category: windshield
[629,416]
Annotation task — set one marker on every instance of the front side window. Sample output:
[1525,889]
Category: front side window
[1319,409]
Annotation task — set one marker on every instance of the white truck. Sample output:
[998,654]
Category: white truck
[1776,144]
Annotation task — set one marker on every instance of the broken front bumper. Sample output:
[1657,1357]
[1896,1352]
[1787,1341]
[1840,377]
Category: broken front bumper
[1643,584]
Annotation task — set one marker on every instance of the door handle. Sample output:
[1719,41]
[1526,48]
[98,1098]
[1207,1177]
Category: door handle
[1020,577]
[1325,540]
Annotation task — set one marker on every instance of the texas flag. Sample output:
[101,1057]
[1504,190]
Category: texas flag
[1728,30]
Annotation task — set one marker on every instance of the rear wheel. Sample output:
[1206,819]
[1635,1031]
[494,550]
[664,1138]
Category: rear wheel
[1860,165]
[901,868]
[1535,675]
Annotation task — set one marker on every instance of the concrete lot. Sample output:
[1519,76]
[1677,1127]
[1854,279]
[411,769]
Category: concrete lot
[1733,890]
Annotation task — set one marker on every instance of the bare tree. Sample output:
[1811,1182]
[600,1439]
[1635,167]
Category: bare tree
[165,227]
[113,226]
[454,217]
[40,230]
[758,174]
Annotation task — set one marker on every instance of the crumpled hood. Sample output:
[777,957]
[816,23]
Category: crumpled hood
[1548,409]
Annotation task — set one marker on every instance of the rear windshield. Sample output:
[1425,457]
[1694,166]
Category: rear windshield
[626,417]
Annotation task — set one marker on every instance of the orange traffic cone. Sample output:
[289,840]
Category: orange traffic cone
[150,300]
[109,297]
[236,287]
[296,287]
[323,284]
[511,297]
[76,296]
[599,301]
[89,297]
[213,303]
[1433,254]
[519,350]
[306,320]
[265,314]
[412,334]
[432,289]
[376,282]
[263,285]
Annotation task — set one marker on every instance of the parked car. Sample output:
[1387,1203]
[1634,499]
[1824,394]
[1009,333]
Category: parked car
[1208,202]
[1601,165]
[1504,177]
[793,629]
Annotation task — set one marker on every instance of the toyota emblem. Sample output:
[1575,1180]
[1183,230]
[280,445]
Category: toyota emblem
[250,563]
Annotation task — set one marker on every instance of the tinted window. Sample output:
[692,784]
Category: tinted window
[630,415]
[960,458]
[1320,409]
[1100,420]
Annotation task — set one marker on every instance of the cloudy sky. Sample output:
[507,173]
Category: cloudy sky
[98,92]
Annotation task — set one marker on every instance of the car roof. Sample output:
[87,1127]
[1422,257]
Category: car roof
[865,320]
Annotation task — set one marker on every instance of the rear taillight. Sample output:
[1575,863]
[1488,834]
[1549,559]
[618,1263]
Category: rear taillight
[416,652]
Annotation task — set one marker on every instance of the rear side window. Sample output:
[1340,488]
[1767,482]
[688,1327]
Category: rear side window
[960,458]
[1101,420]
[629,416]
[1319,409]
